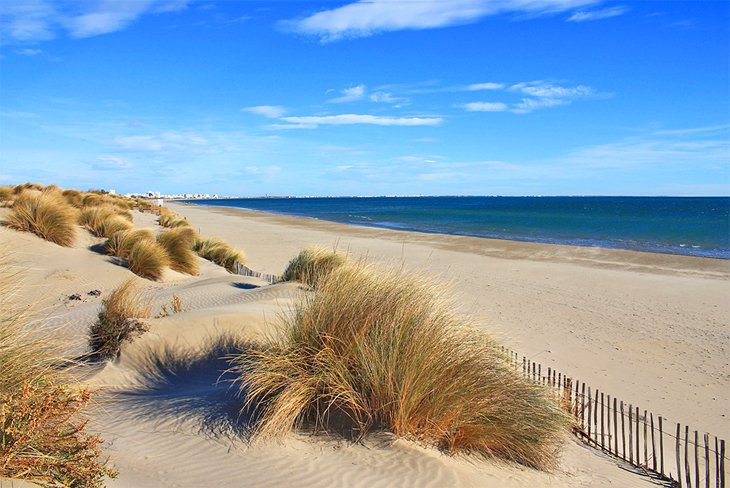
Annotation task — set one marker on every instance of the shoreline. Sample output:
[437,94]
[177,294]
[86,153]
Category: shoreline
[613,258]
[648,328]
[575,231]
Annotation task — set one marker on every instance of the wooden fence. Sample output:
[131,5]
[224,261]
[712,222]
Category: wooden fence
[667,451]
[246,271]
[672,453]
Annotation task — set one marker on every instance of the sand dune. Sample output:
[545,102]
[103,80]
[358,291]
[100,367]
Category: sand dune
[170,418]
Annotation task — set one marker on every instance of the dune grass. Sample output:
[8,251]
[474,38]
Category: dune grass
[220,252]
[178,244]
[44,214]
[147,259]
[118,321]
[42,438]
[103,221]
[121,242]
[371,349]
[313,263]
[171,219]
[6,195]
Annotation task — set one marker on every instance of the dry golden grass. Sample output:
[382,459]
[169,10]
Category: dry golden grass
[121,242]
[147,259]
[220,252]
[178,243]
[46,215]
[370,349]
[73,197]
[42,439]
[172,220]
[118,321]
[313,263]
[6,195]
[103,221]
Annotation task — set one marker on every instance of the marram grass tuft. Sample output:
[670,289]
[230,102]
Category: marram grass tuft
[371,349]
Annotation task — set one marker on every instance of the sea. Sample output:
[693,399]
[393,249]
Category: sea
[692,226]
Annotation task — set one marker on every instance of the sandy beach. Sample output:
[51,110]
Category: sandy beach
[650,329]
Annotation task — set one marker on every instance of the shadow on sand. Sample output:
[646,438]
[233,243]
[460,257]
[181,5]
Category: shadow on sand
[191,386]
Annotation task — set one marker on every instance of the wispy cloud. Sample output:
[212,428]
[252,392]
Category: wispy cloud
[40,20]
[352,94]
[352,119]
[605,13]
[110,163]
[270,111]
[540,94]
[28,52]
[368,17]
[485,86]
[164,142]
[19,115]
[486,107]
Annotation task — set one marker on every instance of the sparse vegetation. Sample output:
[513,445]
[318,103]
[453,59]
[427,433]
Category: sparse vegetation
[118,321]
[147,259]
[120,243]
[178,243]
[372,349]
[311,264]
[42,438]
[103,221]
[44,214]
[172,220]
[220,252]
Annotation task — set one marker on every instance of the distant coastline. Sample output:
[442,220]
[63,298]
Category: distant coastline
[691,226]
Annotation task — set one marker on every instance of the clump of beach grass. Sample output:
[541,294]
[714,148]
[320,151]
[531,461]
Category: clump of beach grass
[6,195]
[147,259]
[119,321]
[220,252]
[120,243]
[372,349]
[44,214]
[103,221]
[313,263]
[172,220]
[42,438]
[178,244]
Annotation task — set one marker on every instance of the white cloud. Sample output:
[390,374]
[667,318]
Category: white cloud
[28,52]
[290,126]
[164,142]
[263,170]
[547,94]
[542,89]
[485,86]
[350,119]
[110,163]
[39,20]
[605,13]
[527,105]
[384,97]
[350,95]
[270,111]
[368,17]
[486,107]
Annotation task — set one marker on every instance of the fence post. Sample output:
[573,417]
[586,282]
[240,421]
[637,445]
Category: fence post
[631,435]
[653,448]
[679,464]
[661,446]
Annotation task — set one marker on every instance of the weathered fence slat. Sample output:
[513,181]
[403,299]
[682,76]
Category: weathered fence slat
[687,474]
[653,446]
[661,446]
[707,460]
[631,435]
[623,433]
[679,463]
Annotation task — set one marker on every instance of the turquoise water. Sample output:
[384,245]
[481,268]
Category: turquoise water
[689,226]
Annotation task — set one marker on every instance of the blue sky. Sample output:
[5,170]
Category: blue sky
[385,97]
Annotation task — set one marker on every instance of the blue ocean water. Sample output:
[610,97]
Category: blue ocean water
[677,225]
